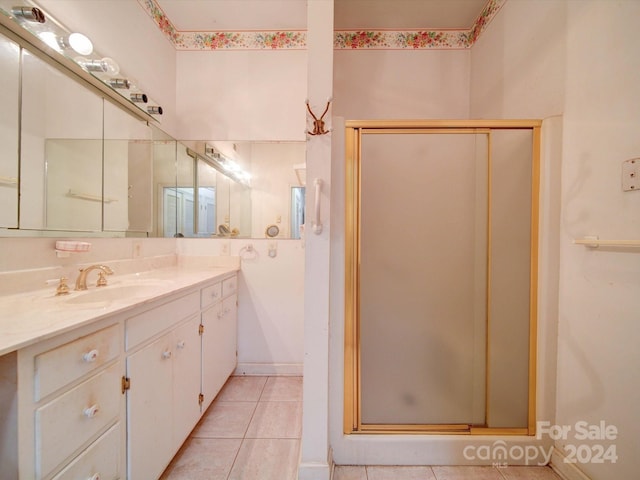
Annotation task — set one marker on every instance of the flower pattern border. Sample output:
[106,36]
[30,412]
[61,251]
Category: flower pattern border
[343,39]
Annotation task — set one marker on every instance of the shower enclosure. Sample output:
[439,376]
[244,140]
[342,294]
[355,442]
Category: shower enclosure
[441,257]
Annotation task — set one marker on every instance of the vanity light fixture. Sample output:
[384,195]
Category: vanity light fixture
[154,110]
[211,152]
[119,83]
[227,166]
[105,65]
[31,14]
[138,97]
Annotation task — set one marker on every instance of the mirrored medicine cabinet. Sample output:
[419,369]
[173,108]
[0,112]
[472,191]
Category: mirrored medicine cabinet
[73,162]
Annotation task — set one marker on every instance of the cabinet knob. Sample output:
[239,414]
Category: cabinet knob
[214,294]
[91,411]
[181,344]
[166,354]
[90,356]
[95,476]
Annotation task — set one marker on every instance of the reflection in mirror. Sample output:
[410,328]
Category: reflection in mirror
[9,88]
[61,151]
[223,188]
[164,177]
[259,192]
[206,212]
[297,211]
[127,182]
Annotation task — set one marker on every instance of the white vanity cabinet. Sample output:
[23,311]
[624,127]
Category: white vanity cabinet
[164,390]
[178,356]
[71,409]
[219,337]
[116,397]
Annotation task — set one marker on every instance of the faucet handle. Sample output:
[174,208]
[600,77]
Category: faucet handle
[63,288]
[102,280]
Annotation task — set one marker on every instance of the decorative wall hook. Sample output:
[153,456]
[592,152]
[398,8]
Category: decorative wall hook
[318,123]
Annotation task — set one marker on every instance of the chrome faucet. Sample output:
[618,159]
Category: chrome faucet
[81,281]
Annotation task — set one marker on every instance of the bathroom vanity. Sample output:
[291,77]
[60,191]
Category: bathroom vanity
[107,383]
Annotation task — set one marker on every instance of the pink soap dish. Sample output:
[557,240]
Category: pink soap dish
[64,247]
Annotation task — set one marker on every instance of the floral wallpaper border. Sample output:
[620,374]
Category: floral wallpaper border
[343,40]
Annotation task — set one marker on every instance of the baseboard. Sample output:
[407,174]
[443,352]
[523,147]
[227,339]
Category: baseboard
[565,470]
[317,471]
[275,369]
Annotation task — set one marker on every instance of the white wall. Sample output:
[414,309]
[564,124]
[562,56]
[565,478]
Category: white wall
[392,84]
[577,58]
[241,94]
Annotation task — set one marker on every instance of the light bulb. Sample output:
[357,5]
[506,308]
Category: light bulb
[51,40]
[80,43]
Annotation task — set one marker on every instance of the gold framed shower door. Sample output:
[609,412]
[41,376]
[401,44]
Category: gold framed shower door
[355,129]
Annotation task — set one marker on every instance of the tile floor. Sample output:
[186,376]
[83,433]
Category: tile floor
[252,432]
[444,473]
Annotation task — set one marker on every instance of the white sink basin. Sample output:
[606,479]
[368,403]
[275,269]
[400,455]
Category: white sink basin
[112,293]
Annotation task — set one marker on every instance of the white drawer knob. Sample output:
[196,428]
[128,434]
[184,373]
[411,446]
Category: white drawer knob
[95,476]
[91,411]
[166,354]
[181,344]
[214,295]
[90,356]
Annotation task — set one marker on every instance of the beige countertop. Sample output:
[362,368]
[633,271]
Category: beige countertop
[27,318]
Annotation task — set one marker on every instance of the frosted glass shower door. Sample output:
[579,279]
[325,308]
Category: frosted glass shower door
[423,278]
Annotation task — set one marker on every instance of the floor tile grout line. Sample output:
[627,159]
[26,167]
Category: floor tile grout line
[244,435]
[264,385]
[235,458]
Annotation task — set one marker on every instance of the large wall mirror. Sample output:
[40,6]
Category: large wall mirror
[72,162]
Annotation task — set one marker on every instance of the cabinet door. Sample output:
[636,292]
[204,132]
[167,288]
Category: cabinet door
[229,335]
[149,405]
[186,380]
[218,347]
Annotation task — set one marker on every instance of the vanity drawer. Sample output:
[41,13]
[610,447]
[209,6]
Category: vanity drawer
[210,295]
[62,365]
[66,423]
[146,325]
[102,460]
[229,286]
